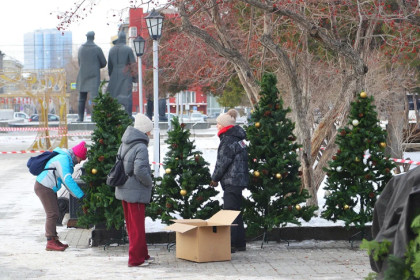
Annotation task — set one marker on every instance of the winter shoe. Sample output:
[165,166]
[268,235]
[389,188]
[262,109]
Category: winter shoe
[59,243]
[52,245]
[151,260]
[146,263]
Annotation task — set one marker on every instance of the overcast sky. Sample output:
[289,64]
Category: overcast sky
[18,17]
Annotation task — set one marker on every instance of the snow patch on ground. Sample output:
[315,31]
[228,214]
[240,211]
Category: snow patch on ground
[207,143]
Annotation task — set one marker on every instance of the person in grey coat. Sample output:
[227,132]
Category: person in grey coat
[121,66]
[137,190]
[91,59]
[231,170]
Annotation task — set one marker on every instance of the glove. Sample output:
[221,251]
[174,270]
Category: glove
[213,184]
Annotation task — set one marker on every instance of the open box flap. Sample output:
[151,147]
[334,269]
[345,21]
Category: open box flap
[195,222]
[223,217]
[181,228]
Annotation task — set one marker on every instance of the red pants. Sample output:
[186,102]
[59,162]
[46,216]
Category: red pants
[134,218]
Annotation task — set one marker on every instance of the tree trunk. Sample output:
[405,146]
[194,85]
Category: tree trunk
[224,47]
[395,126]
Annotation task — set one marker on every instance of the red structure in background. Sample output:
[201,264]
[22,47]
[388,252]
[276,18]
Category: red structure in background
[137,27]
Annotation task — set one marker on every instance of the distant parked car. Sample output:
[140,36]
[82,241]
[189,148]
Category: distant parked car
[72,118]
[198,117]
[34,118]
[20,115]
[170,115]
[51,118]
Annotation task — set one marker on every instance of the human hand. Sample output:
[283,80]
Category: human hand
[213,184]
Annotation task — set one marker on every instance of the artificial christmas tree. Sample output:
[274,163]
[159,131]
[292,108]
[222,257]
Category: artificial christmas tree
[359,171]
[99,203]
[183,190]
[277,197]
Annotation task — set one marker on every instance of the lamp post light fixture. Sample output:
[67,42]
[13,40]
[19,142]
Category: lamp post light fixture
[139,43]
[154,23]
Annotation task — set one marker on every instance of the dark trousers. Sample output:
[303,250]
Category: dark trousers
[134,214]
[82,104]
[232,200]
[49,201]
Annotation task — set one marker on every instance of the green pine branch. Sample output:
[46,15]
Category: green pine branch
[183,190]
[359,170]
[277,197]
[99,205]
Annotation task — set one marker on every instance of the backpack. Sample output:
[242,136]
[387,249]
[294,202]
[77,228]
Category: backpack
[117,176]
[37,164]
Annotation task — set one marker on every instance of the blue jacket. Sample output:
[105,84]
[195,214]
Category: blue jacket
[63,163]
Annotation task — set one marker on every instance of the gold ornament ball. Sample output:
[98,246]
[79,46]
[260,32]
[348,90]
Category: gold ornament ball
[357,159]
[278,176]
[257,124]
[256,173]
[183,192]
[363,94]
[168,170]
[355,122]
[346,207]
[298,207]
[382,144]
[94,171]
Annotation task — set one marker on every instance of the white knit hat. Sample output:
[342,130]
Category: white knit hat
[143,123]
[228,118]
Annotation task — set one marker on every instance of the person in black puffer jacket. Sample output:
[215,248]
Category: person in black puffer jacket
[231,171]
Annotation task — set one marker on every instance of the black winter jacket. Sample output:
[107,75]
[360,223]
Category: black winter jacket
[232,159]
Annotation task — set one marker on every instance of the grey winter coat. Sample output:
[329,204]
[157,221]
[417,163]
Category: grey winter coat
[232,160]
[133,150]
[120,60]
[91,60]
[393,213]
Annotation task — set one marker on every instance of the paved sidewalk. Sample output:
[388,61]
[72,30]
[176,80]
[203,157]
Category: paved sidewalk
[308,259]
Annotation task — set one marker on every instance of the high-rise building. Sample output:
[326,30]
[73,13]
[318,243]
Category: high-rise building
[47,49]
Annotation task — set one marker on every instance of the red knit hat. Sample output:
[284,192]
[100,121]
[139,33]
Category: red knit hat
[80,150]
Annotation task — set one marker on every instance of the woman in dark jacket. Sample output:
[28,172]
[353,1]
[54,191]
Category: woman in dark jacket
[231,171]
[137,190]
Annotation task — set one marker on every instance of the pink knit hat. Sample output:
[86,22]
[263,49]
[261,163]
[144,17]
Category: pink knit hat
[80,150]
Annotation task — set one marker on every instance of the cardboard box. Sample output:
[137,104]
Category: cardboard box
[204,241]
